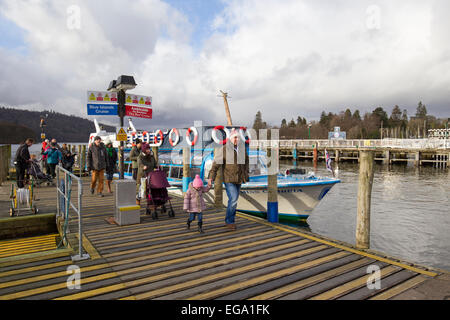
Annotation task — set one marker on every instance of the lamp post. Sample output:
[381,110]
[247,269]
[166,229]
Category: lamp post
[309,130]
[121,85]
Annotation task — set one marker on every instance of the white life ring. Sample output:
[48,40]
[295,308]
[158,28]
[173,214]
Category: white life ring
[188,136]
[173,143]
[161,138]
[91,139]
[214,134]
[243,131]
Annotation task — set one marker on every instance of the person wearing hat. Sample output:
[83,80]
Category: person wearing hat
[134,154]
[54,156]
[111,157]
[146,163]
[96,163]
[233,159]
[194,203]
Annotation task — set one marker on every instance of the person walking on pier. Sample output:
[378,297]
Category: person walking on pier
[234,160]
[54,156]
[194,203]
[22,161]
[134,154]
[96,162]
[146,163]
[111,156]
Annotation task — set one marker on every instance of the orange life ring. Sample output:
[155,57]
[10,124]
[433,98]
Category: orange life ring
[214,134]
[161,138]
[177,139]
[188,136]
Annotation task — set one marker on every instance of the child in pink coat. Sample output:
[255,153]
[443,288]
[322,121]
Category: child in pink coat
[194,203]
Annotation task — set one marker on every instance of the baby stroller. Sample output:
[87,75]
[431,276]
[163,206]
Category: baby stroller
[39,177]
[156,193]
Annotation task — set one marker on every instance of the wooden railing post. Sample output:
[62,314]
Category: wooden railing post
[364,198]
[272,185]
[218,183]
[155,153]
[186,168]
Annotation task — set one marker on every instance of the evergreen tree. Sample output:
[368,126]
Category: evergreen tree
[292,123]
[421,111]
[283,123]
[356,115]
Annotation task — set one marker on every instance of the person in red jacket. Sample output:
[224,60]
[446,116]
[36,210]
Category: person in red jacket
[194,203]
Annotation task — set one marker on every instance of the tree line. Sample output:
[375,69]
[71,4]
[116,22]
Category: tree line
[372,125]
[17,125]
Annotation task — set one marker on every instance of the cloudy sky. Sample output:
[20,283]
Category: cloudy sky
[286,58]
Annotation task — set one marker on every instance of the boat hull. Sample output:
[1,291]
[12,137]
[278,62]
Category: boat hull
[295,203]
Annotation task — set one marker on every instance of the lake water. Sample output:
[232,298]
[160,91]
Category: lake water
[410,216]
[410,212]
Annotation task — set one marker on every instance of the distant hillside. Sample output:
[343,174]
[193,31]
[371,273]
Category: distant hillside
[16,125]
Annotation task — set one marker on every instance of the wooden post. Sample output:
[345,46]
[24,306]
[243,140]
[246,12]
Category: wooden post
[315,154]
[218,184]
[272,185]
[364,197]
[79,159]
[83,158]
[448,160]
[186,168]
[336,158]
[387,157]
[155,153]
[417,159]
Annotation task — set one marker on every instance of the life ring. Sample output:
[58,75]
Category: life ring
[161,138]
[145,137]
[243,131]
[188,136]
[91,139]
[214,134]
[173,143]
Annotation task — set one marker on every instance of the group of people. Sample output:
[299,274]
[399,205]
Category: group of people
[235,173]
[52,155]
[102,158]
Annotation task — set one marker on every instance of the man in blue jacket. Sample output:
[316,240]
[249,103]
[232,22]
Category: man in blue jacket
[54,157]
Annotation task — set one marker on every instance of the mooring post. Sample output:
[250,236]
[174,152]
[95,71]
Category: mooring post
[448,160]
[186,168]
[272,184]
[417,159]
[218,182]
[315,154]
[364,197]
[337,154]
[387,157]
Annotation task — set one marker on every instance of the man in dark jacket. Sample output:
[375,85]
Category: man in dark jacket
[96,162]
[22,161]
[234,161]
[111,163]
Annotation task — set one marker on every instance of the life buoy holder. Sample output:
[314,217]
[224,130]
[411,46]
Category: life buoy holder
[216,139]
[173,143]
[188,136]
[161,138]
[243,131]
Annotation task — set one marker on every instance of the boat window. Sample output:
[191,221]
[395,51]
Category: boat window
[177,173]
[194,171]
[166,169]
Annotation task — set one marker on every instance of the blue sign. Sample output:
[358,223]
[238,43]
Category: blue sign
[102,109]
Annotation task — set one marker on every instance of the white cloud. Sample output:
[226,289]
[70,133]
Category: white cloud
[285,58]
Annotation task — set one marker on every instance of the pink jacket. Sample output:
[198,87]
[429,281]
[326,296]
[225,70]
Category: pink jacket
[193,199]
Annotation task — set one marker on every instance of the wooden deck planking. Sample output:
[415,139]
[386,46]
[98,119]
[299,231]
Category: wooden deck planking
[160,259]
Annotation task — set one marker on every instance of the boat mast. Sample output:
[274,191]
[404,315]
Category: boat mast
[227,109]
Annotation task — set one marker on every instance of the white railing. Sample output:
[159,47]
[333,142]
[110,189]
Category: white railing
[385,143]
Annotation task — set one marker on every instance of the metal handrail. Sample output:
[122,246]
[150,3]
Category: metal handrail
[68,176]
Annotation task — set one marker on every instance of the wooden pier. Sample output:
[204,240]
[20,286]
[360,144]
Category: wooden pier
[160,259]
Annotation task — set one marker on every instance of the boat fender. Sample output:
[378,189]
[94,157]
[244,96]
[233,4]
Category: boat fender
[173,143]
[188,136]
[214,134]
[161,138]
[243,131]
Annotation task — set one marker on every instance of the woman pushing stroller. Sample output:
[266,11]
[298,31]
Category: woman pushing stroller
[146,163]
[194,203]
